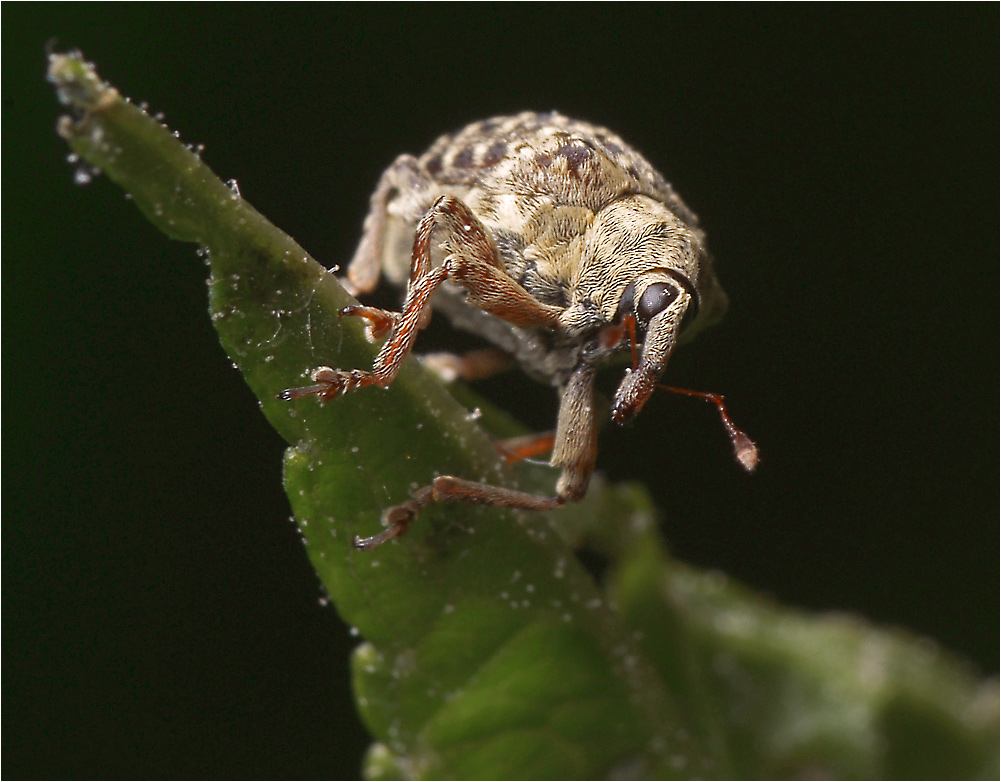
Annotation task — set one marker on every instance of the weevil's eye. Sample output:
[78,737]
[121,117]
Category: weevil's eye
[657,297]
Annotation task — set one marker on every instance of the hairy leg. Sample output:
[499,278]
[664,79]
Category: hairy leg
[574,451]
[472,263]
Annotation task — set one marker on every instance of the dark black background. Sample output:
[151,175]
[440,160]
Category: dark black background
[160,616]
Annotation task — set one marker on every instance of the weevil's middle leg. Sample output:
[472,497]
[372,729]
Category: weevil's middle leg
[448,488]
[378,322]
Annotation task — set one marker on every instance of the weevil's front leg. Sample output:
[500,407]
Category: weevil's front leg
[331,383]
[472,263]
[575,451]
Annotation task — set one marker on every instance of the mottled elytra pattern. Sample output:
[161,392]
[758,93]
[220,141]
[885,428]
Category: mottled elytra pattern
[459,158]
[557,242]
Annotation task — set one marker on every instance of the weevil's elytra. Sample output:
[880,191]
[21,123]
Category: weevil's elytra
[557,242]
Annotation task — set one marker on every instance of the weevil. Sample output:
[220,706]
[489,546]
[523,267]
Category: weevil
[557,242]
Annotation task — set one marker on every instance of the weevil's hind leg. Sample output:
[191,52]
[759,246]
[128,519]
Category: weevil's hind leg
[575,451]
[472,365]
[527,446]
[403,179]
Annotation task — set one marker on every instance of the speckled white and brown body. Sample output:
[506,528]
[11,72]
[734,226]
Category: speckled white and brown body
[538,181]
[559,243]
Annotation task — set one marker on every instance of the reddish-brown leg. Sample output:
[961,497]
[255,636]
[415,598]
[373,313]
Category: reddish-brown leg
[378,323]
[472,262]
[528,446]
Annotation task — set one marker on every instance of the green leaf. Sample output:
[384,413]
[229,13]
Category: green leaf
[490,651]
[798,695]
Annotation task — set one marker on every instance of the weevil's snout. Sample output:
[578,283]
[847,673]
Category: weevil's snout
[659,310]
[634,390]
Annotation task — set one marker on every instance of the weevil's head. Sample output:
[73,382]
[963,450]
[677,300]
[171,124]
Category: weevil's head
[658,282]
